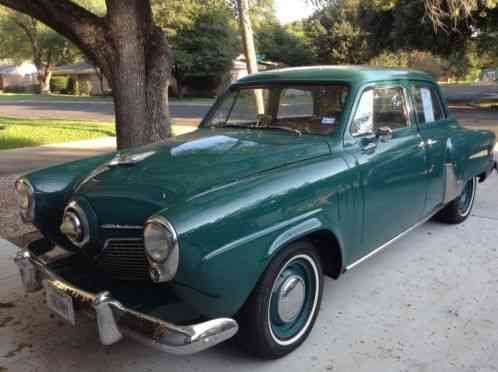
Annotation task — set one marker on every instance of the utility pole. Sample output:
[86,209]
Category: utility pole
[249,48]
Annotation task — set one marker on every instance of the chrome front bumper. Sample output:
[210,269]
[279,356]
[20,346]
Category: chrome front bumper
[115,320]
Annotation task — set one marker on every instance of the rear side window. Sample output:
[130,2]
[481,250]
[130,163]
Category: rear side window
[428,105]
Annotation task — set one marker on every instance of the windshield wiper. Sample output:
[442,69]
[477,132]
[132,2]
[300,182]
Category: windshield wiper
[270,127]
[238,126]
[285,129]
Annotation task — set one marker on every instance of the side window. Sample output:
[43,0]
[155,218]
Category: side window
[380,107]
[428,106]
[363,118]
[295,103]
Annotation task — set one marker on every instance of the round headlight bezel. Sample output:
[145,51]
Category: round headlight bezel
[163,265]
[76,214]
[157,241]
[24,189]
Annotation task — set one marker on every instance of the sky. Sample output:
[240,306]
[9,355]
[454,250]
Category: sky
[292,10]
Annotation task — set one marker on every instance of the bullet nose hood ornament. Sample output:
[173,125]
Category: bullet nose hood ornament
[119,159]
[129,159]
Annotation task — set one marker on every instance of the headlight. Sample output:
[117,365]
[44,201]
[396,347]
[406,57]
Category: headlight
[157,242]
[161,248]
[75,225]
[25,195]
[71,227]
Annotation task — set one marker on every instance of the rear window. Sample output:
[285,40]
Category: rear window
[428,105]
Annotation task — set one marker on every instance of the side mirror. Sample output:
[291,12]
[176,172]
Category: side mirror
[385,134]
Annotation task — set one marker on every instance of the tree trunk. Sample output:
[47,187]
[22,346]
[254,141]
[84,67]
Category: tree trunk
[140,72]
[44,80]
[180,91]
[132,53]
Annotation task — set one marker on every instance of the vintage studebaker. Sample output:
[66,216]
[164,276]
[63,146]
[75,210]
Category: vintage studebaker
[293,174]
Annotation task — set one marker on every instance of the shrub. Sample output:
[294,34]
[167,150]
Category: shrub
[58,84]
[86,88]
[31,88]
[418,60]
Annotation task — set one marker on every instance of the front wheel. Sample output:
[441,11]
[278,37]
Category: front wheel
[459,209]
[282,309]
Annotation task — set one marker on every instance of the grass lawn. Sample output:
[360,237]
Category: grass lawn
[16,133]
[489,103]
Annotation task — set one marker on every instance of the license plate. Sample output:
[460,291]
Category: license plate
[60,303]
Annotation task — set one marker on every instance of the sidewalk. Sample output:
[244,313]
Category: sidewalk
[30,158]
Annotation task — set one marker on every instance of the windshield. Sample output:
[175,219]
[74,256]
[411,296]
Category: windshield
[294,108]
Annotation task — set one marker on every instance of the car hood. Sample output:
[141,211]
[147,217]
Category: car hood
[184,166]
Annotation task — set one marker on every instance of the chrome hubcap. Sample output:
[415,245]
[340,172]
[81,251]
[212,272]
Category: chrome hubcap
[291,298]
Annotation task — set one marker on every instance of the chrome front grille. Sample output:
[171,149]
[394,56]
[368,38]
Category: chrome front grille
[124,259]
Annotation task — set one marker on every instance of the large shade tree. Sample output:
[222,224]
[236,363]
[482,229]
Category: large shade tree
[131,51]
[203,35]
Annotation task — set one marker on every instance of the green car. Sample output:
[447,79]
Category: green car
[293,175]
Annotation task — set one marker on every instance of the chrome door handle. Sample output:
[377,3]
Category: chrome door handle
[369,148]
[429,143]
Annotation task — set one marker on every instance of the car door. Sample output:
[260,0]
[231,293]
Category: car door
[435,127]
[390,163]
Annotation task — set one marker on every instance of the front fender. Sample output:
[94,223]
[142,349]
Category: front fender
[54,187]
[228,236]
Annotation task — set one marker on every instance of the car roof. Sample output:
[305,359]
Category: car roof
[347,74]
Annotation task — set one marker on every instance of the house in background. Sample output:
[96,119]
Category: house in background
[239,68]
[489,74]
[17,76]
[198,86]
[210,87]
[84,72]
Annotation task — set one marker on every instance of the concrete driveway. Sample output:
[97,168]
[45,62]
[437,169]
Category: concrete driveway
[429,303]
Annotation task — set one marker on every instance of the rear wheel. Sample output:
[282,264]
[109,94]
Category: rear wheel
[459,209]
[282,309]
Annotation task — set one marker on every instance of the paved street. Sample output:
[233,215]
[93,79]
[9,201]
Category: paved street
[188,112]
[428,303]
[469,92]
